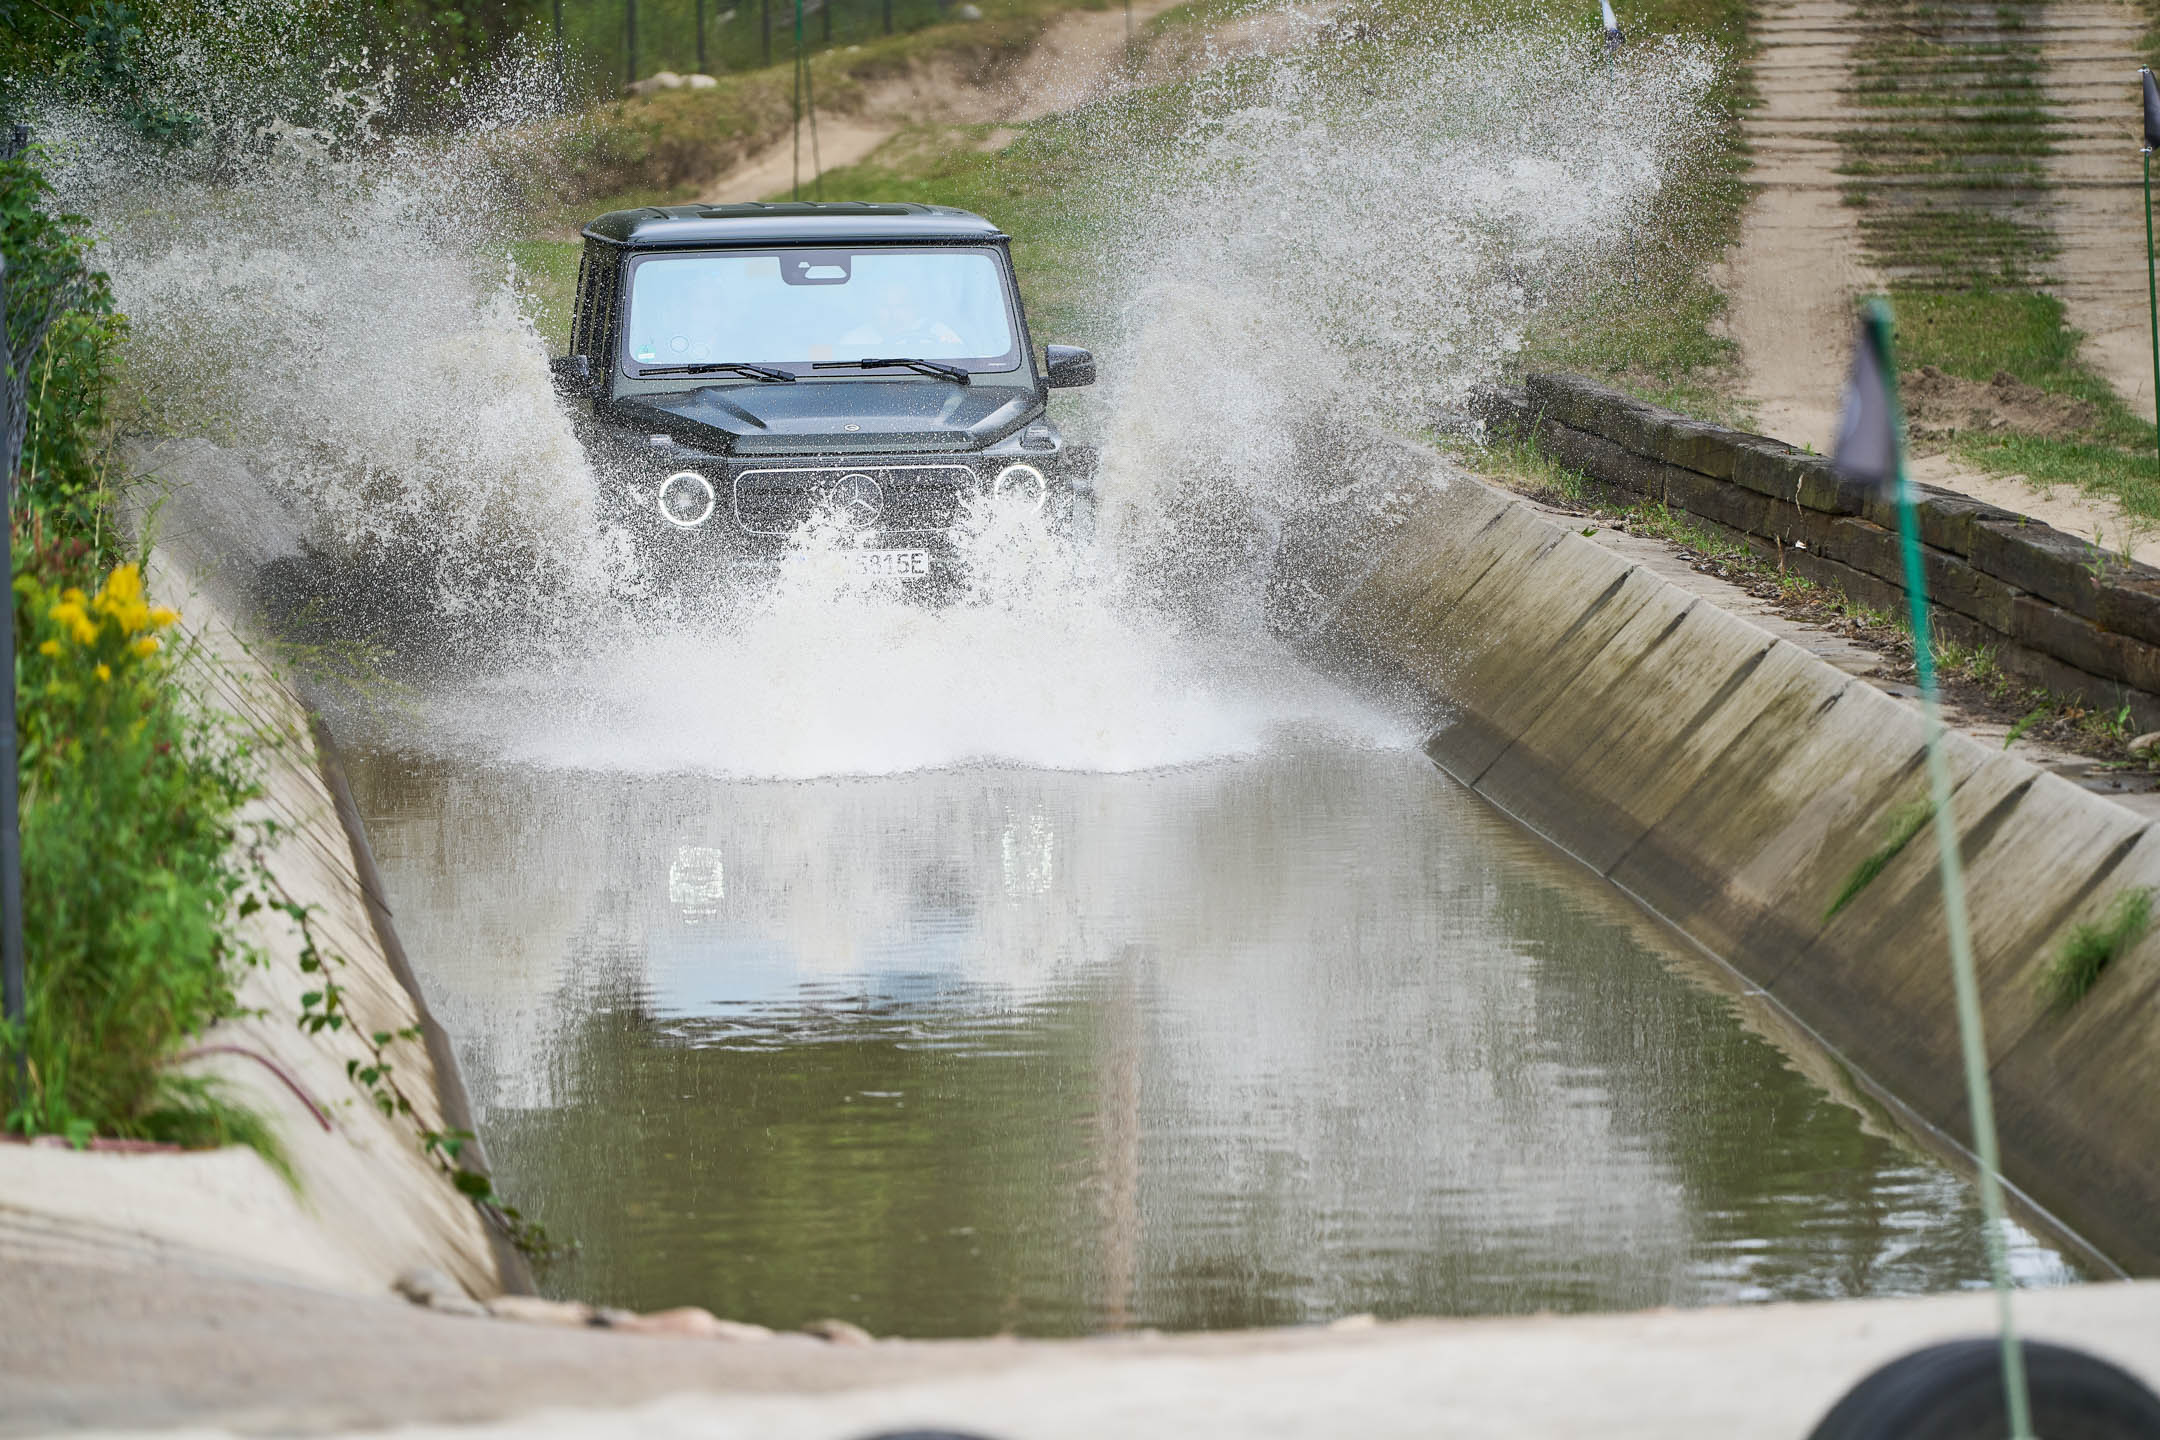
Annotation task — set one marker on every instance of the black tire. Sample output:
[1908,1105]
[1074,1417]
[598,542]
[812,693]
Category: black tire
[1955,1392]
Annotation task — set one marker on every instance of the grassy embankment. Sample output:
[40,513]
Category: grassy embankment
[1654,333]
[1950,177]
[1649,329]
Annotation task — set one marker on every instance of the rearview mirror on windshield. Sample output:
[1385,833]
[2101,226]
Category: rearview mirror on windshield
[1067,367]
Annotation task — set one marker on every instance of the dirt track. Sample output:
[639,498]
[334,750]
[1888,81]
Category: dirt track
[1080,57]
[1801,264]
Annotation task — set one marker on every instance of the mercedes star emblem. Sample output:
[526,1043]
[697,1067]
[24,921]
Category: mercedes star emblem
[856,495]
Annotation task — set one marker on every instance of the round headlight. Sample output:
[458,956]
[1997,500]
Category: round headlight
[1022,482]
[686,499]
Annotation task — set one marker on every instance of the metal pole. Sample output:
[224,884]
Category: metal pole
[701,37]
[796,193]
[13,992]
[2152,298]
[1972,1037]
[630,41]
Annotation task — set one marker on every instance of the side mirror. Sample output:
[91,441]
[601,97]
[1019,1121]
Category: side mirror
[573,374]
[1067,367]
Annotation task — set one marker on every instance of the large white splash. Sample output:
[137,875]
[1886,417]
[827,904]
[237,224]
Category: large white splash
[1349,237]
[1340,237]
[1041,661]
[330,299]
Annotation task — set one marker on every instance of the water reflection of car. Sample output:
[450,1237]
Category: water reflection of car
[748,366]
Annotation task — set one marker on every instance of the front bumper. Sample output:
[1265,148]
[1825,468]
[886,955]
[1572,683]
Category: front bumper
[894,502]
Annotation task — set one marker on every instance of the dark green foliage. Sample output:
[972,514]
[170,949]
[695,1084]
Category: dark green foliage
[69,383]
[92,50]
[2095,945]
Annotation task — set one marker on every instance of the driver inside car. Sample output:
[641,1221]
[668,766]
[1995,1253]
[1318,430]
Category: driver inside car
[899,321]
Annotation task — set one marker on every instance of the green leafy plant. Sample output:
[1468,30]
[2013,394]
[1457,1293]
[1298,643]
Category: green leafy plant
[2095,945]
[2024,723]
[1905,822]
[61,483]
[323,1009]
[131,799]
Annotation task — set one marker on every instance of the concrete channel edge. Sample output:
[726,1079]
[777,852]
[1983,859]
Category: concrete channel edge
[1734,783]
[511,1267]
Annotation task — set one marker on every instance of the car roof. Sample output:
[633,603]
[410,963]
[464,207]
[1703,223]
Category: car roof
[656,226]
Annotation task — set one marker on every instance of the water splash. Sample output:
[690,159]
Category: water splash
[1038,661]
[1345,239]
[1335,238]
[327,297]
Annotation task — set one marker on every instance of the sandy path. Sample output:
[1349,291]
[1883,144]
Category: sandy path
[1792,281]
[2091,48]
[1081,57]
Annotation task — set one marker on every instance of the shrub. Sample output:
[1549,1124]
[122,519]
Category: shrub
[130,804]
[68,386]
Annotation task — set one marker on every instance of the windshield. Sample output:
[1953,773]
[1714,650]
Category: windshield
[795,308]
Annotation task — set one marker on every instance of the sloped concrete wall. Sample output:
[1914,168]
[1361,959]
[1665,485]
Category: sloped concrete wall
[1732,782]
[369,1204]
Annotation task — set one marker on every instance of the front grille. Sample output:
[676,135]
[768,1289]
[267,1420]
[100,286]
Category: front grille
[908,498]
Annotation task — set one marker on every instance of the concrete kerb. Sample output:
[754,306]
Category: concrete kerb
[1733,783]
[1609,781]
[1777,843]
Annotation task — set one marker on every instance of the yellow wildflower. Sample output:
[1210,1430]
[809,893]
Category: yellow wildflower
[50,647]
[104,671]
[122,598]
[162,616]
[144,648]
[123,585]
[70,613]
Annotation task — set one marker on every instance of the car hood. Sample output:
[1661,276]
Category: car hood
[885,415]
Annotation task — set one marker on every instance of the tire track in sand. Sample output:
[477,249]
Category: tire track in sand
[1793,279]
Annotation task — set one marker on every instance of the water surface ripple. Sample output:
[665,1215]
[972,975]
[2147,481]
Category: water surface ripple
[1270,1040]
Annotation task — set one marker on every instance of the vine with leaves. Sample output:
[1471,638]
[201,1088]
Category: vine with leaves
[324,1009]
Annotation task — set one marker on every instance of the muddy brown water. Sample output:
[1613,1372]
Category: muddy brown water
[1264,1041]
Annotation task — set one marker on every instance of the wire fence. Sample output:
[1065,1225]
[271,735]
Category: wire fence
[610,43]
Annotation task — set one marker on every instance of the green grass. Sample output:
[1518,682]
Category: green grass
[664,148]
[1905,822]
[1977,333]
[2021,332]
[2095,945]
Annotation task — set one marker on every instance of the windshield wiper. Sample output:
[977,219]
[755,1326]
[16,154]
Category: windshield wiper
[928,367]
[715,367]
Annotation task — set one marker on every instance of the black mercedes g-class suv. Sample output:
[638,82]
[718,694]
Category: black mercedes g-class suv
[751,365]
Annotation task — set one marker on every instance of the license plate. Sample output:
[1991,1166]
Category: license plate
[892,564]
